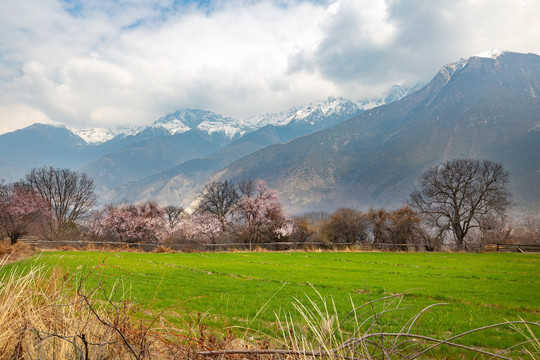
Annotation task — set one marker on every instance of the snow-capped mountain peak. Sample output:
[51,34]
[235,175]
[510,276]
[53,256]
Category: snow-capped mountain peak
[190,119]
[100,135]
[490,54]
[318,113]
[312,113]
[327,108]
[448,70]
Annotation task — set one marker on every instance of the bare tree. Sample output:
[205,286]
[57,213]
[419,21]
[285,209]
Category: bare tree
[219,199]
[172,215]
[314,217]
[70,196]
[404,227]
[378,221]
[456,195]
[397,228]
[317,225]
[528,231]
[347,226]
[247,187]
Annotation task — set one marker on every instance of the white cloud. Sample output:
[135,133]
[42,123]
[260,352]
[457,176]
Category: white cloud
[115,63]
[17,116]
[368,44]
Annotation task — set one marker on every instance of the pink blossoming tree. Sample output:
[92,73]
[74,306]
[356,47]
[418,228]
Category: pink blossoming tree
[19,206]
[200,227]
[262,218]
[134,222]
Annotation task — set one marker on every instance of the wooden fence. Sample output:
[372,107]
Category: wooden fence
[512,248]
[275,246]
[190,246]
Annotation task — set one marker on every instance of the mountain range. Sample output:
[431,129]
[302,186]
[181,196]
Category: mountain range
[320,156]
[119,156]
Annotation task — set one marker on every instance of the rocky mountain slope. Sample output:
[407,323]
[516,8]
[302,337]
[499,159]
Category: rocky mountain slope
[479,107]
[180,184]
[37,145]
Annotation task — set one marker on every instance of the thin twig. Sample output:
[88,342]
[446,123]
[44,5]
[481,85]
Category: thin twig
[472,331]
[439,342]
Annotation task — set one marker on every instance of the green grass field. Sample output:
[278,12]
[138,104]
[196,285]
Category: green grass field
[233,288]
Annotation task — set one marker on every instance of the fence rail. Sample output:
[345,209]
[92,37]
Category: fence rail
[50,244]
[513,247]
[275,246]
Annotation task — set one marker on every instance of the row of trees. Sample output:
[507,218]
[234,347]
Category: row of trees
[247,212]
[62,203]
[461,200]
[397,228]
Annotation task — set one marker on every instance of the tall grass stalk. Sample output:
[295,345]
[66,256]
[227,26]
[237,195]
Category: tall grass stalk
[318,333]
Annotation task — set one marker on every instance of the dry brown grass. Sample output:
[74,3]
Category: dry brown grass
[12,253]
[49,314]
[43,318]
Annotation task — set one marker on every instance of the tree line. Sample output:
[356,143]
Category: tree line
[459,202]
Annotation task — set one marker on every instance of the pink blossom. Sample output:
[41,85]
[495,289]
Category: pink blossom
[200,225]
[134,222]
[263,213]
[285,230]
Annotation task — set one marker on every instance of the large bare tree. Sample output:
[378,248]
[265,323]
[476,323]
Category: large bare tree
[456,195]
[69,194]
[219,199]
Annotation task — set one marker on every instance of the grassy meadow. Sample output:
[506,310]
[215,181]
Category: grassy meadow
[253,290]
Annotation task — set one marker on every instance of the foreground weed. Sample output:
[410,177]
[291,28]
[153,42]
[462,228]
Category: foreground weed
[315,332]
[46,313]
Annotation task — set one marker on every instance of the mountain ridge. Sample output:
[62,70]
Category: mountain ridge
[122,154]
[373,159]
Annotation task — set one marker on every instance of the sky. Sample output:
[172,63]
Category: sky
[106,63]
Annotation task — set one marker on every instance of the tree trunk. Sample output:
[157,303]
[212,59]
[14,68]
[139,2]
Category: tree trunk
[460,238]
[13,239]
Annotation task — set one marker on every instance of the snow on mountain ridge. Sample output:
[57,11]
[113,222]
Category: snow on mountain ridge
[394,93]
[491,54]
[450,69]
[100,135]
[314,110]
[207,121]
[189,119]
[330,107]
[228,129]
[174,126]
